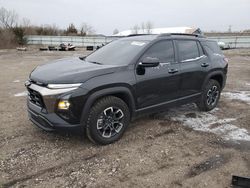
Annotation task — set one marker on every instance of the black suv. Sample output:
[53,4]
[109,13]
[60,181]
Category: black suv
[129,76]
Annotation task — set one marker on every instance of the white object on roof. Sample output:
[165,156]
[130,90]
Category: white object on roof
[188,30]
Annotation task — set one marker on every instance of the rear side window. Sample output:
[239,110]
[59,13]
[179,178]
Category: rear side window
[188,49]
[162,50]
[212,47]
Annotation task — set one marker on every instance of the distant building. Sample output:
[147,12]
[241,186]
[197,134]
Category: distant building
[188,30]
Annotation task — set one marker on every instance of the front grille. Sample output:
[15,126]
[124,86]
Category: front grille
[35,97]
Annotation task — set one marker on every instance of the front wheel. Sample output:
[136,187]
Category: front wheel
[210,96]
[107,120]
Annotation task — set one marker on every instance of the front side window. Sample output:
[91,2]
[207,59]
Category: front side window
[162,50]
[188,49]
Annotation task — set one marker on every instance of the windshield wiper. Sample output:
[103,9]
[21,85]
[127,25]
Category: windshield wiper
[82,57]
[95,62]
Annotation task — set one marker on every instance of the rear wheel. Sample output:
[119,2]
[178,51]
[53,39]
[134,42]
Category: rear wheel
[107,120]
[210,96]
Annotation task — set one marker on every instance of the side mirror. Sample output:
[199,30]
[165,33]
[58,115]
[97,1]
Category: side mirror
[149,62]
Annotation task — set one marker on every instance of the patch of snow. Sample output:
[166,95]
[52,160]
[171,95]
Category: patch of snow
[209,122]
[239,134]
[22,94]
[240,95]
[16,81]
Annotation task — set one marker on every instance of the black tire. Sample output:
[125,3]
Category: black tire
[103,124]
[207,102]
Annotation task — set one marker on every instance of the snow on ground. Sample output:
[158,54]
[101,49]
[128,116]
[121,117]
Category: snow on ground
[16,81]
[209,122]
[239,95]
[22,94]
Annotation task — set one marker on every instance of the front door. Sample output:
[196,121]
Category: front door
[159,84]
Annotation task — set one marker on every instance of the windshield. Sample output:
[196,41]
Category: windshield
[117,52]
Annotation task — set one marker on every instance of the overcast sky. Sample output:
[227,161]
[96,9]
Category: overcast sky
[106,15]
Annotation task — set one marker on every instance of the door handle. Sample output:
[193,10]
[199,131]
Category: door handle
[204,64]
[172,71]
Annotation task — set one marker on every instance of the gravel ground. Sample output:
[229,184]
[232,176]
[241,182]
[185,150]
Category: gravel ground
[180,147]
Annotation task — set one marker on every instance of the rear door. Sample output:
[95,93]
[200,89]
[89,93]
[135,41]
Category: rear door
[194,65]
[158,84]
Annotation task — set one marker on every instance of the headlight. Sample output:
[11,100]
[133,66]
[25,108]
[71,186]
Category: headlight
[63,86]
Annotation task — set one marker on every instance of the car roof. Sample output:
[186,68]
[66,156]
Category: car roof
[151,37]
[140,37]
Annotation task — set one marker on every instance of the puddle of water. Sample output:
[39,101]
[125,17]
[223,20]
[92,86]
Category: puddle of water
[22,94]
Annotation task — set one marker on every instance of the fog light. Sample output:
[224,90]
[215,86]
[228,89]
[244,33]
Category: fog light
[63,105]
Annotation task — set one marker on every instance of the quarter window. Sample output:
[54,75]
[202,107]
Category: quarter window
[188,49]
[162,50]
[212,47]
[200,49]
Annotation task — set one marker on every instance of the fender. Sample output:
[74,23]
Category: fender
[104,92]
[215,73]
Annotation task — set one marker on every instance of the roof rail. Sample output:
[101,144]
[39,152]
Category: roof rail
[133,35]
[164,35]
[182,34]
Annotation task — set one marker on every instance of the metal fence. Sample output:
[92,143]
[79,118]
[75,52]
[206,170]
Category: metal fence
[232,41]
[75,40]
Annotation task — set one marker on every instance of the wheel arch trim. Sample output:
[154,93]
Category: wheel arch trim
[107,92]
[215,73]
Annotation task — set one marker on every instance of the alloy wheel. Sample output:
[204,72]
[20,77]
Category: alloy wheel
[212,95]
[110,122]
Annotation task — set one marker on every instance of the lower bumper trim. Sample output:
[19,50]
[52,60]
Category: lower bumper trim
[47,125]
[40,121]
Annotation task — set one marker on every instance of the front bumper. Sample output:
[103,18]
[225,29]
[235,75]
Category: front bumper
[49,121]
[42,111]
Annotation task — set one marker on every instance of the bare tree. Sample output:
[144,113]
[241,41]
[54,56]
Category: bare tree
[246,31]
[136,29]
[28,28]
[149,27]
[7,39]
[71,30]
[115,31]
[143,27]
[11,33]
[8,18]
[26,22]
[86,29]
[48,30]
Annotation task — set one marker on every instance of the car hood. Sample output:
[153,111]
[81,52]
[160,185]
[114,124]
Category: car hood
[69,71]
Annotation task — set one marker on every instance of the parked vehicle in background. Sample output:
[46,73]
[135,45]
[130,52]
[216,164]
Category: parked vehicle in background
[223,45]
[125,78]
[66,47]
[62,47]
